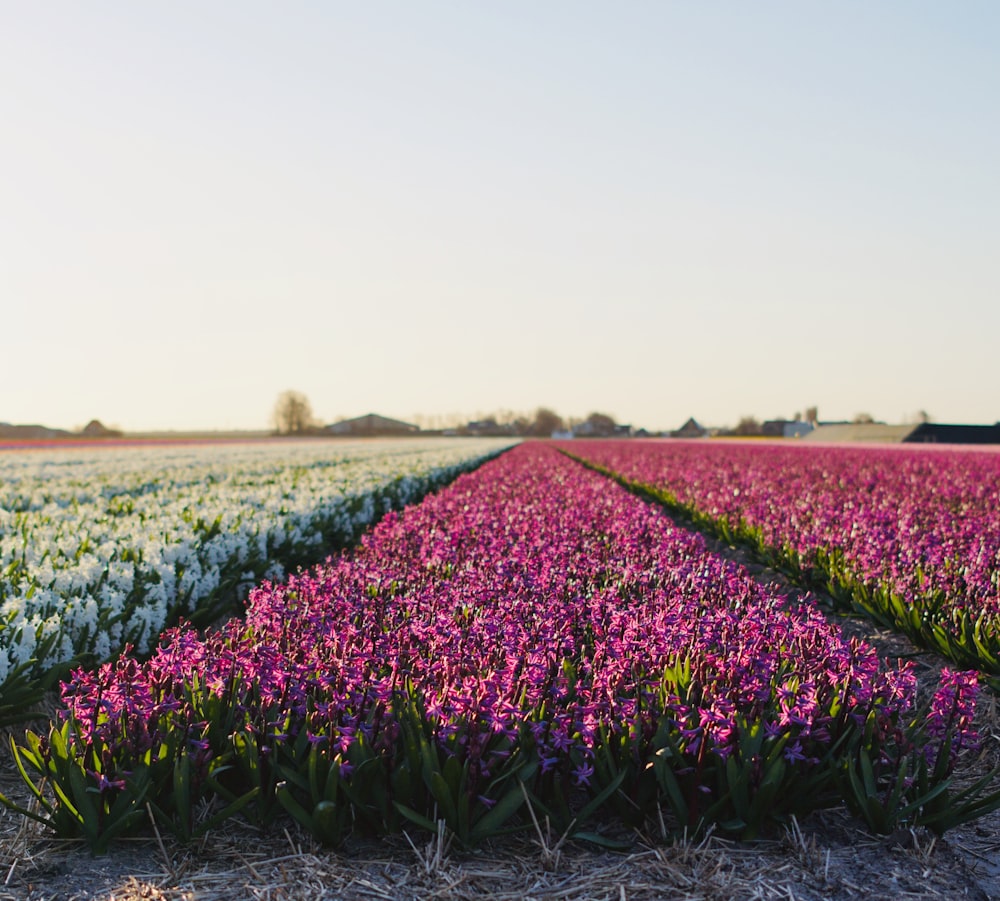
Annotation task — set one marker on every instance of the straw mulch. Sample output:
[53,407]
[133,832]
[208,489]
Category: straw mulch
[826,858]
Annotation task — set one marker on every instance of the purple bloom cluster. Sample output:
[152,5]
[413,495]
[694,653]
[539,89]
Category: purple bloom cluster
[531,600]
[919,522]
[950,720]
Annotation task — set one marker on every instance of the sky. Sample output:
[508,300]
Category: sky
[652,210]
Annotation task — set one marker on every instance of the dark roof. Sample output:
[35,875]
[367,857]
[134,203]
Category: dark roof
[941,433]
[371,424]
[690,428]
[774,427]
[96,429]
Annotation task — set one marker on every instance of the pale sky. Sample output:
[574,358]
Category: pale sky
[654,210]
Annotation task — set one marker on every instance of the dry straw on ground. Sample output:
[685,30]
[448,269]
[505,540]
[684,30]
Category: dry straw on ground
[826,858]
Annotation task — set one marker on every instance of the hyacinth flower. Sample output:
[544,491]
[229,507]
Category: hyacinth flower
[100,548]
[531,635]
[909,536]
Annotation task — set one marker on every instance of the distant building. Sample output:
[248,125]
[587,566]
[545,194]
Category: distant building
[591,429]
[96,429]
[939,433]
[854,432]
[489,428]
[31,433]
[371,425]
[690,429]
[785,428]
[797,429]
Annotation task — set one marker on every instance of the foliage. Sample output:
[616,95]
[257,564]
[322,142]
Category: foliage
[104,547]
[532,635]
[910,537]
[293,414]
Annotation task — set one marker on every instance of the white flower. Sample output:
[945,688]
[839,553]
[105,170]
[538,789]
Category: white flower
[109,527]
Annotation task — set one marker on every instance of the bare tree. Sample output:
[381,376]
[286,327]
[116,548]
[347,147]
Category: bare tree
[748,425]
[521,424]
[812,415]
[601,424]
[546,422]
[863,419]
[292,414]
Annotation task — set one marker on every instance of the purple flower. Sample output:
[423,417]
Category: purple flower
[531,599]
[582,773]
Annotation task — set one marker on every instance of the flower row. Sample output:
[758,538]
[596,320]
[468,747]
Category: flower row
[531,634]
[911,535]
[100,547]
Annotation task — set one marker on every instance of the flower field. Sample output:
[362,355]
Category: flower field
[105,546]
[532,640]
[911,536]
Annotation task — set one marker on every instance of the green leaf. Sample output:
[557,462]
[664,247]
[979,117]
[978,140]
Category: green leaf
[868,774]
[113,830]
[603,841]
[332,782]
[441,793]
[327,823]
[19,763]
[453,776]
[182,794]
[490,823]
[83,799]
[669,785]
[293,807]
[10,805]
[595,803]
[737,788]
[226,812]
[416,818]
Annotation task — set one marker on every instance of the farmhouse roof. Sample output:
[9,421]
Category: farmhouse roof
[96,429]
[940,433]
[372,424]
[690,429]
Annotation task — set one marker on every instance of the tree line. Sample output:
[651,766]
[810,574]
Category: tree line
[293,415]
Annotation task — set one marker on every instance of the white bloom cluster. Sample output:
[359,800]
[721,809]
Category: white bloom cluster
[100,546]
